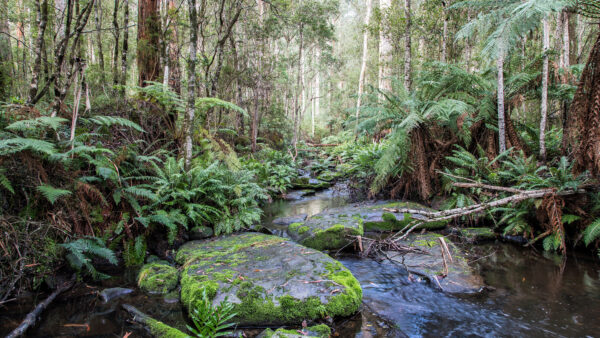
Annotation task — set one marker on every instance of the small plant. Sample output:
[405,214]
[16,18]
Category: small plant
[83,250]
[212,321]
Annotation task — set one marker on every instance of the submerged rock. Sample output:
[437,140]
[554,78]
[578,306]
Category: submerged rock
[108,295]
[378,217]
[158,278]
[429,263]
[318,331]
[270,281]
[310,183]
[286,221]
[474,235]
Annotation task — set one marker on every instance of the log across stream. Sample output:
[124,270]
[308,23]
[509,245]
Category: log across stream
[530,293]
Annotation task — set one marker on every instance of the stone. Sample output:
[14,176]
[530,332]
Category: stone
[286,221]
[329,176]
[309,183]
[109,294]
[429,263]
[201,232]
[269,280]
[158,278]
[318,331]
[474,235]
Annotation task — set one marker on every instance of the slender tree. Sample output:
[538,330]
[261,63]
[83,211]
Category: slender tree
[148,53]
[544,104]
[365,53]
[407,46]
[190,111]
[385,50]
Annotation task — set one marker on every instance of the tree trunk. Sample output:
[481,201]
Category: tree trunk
[583,128]
[363,66]
[444,34]
[191,99]
[317,91]
[173,55]
[385,51]
[501,124]
[544,107]
[116,34]
[148,53]
[299,88]
[407,46]
[98,19]
[565,63]
[6,61]
[42,19]
[125,49]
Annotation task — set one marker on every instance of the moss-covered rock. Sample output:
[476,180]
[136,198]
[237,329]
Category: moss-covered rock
[269,280]
[161,330]
[474,235]
[329,176]
[318,331]
[304,183]
[201,232]
[327,230]
[286,221]
[429,263]
[158,278]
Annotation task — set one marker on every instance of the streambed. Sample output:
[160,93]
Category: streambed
[531,294]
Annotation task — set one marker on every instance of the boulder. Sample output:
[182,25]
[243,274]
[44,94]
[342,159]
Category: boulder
[286,221]
[318,331]
[329,176]
[474,235]
[158,278]
[429,263]
[201,232]
[328,230]
[269,280]
[310,183]
[109,294]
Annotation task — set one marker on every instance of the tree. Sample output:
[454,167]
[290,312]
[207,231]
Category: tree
[148,53]
[407,46]
[385,50]
[363,67]
[190,112]
[544,104]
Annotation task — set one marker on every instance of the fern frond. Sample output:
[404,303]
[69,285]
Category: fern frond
[592,232]
[109,121]
[51,193]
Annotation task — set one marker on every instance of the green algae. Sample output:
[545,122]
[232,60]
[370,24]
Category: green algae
[158,278]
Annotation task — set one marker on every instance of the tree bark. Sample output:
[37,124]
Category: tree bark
[116,35]
[299,88]
[42,19]
[501,122]
[191,99]
[317,91]
[148,53]
[544,104]
[444,56]
[407,46]
[125,49]
[363,66]
[98,19]
[385,51]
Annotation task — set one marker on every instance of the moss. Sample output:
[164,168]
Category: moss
[477,234]
[294,226]
[158,278]
[322,331]
[428,240]
[162,330]
[391,223]
[331,238]
[317,331]
[348,302]
[302,230]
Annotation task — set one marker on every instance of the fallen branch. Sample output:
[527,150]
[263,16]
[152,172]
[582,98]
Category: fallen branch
[317,145]
[155,327]
[32,316]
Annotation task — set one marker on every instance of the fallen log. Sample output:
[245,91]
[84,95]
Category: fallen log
[155,327]
[322,145]
[32,316]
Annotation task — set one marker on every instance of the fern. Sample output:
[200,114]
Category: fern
[109,121]
[37,124]
[211,321]
[19,144]
[51,193]
[592,232]
[81,252]
[5,183]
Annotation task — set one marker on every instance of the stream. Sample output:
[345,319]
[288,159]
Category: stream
[531,294]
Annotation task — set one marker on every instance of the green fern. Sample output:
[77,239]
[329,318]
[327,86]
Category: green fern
[592,232]
[109,121]
[37,124]
[19,144]
[5,183]
[51,193]
[212,321]
[81,252]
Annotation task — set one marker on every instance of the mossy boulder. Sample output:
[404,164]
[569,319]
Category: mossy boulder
[378,217]
[304,183]
[474,235]
[329,176]
[201,232]
[428,262]
[318,331]
[286,221]
[270,281]
[327,230]
[158,278]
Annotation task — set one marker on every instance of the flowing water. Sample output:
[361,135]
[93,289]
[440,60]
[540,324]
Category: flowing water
[531,294]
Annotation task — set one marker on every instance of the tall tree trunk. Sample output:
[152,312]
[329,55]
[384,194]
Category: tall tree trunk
[501,122]
[583,128]
[190,112]
[565,63]
[407,46]
[468,46]
[444,56]
[98,18]
[125,49]
[148,53]
[385,51]
[544,107]
[42,20]
[173,55]
[317,109]
[299,88]
[6,61]
[116,35]
[365,53]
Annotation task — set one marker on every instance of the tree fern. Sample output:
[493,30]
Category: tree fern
[51,193]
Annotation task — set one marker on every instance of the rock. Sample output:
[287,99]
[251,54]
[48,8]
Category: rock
[201,232]
[318,331]
[270,281]
[377,218]
[461,278]
[328,230]
[329,176]
[158,278]
[310,183]
[474,235]
[108,295]
[286,221]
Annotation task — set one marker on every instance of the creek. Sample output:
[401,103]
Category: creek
[531,293]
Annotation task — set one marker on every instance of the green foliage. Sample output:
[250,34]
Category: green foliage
[592,232]
[134,252]
[82,251]
[211,321]
[51,193]
[273,170]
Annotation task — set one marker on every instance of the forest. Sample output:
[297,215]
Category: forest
[299,168]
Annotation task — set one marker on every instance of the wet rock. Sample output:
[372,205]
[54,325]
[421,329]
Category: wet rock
[108,295]
[286,221]
[329,176]
[201,232]
[318,331]
[310,183]
[378,217]
[474,235]
[270,281]
[158,278]
[429,263]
